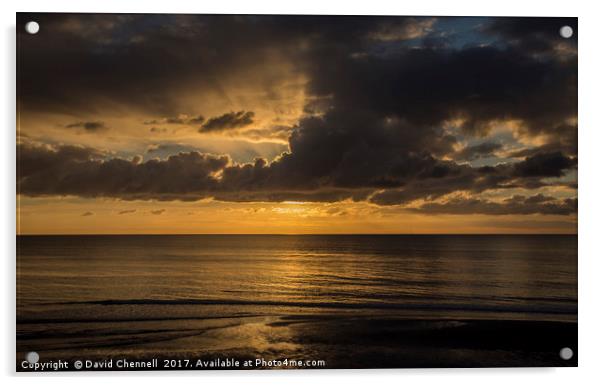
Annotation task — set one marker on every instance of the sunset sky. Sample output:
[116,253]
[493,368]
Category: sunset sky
[296,124]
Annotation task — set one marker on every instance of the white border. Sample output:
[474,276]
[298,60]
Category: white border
[590,128]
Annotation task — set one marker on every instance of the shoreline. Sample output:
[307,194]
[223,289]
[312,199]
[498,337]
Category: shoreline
[349,343]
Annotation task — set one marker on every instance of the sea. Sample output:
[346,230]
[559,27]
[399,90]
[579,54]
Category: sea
[320,301]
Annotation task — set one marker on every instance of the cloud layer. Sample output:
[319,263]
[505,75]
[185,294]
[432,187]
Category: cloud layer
[85,172]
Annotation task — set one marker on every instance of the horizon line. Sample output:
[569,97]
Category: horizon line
[275,234]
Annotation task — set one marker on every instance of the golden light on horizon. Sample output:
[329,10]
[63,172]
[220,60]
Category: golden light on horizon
[76,215]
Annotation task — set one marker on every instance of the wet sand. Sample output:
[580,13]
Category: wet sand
[341,342]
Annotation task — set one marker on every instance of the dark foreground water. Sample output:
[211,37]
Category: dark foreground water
[317,301]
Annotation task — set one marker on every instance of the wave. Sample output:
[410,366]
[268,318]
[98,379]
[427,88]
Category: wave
[526,308]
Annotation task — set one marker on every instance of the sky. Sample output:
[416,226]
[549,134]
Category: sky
[192,124]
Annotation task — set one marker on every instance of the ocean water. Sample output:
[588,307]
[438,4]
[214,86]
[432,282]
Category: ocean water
[350,300]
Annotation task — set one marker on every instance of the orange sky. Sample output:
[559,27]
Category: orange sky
[81,216]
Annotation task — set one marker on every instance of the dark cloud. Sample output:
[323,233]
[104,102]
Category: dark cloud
[181,119]
[139,62]
[544,165]
[88,126]
[34,160]
[79,171]
[478,151]
[516,205]
[199,119]
[68,170]
[384,111]
[175,121]
[228,121]
[426,87]
[537,35]
[106,57]
[127,212]
[87,214]
[531,173]
[157,212]
[130,55]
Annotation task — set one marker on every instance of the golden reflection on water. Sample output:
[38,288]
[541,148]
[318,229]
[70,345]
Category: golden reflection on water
[236,295]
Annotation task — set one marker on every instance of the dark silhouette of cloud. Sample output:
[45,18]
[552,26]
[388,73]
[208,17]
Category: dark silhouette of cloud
[515,205]
[538,35]
[544,165]
[482,150]
[88,126]
[228,121]
[80,171]
[198,119]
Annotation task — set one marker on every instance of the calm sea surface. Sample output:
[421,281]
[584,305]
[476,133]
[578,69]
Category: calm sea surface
[106,295]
